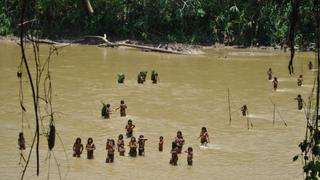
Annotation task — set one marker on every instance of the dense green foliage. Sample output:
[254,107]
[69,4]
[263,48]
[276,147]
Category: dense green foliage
[236,22]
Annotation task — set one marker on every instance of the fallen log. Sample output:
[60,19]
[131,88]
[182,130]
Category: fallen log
[46,41]
[143,47]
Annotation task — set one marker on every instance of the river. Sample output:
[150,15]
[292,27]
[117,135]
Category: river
[192,93]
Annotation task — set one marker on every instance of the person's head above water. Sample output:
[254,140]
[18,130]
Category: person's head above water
[120,136]
[90,140]
[204,129]
[122,102]
[78,140]
[21,135]
[129,121]
[133,139]
[179,134]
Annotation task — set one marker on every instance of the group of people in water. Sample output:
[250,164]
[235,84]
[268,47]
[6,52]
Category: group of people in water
[299,83]
[141,78]
[106,110]
[244,108]
[137,147]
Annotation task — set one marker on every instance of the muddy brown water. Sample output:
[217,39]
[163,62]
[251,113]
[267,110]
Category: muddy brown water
[192,93]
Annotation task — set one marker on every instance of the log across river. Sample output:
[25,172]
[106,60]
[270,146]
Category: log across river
[193,92]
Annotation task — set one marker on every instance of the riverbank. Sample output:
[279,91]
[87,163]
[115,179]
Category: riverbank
[177,48]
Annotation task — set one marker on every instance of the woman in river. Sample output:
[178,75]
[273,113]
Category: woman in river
[174,153]
[133,147]
[110,149]
[129,128]
[179,141]
[90,147]
[275,83]
[77,148]
[141,143]
[120,145]
[106,111]
[204,136]
[122,108]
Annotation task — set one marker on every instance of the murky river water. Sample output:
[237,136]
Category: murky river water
[192,93]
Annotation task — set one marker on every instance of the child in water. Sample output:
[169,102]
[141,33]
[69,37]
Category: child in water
[244,110]
[269,74]
[300,101]
[120,145]
[77,148]
[299,80]
[190,155]
[179,141]
[204,136]
[275,83]
[122,108]
[133,147]
[129,128]
[110,149]
[21,141]
[90,147]
[174,154]
[141,143]
[106,111]
[161,141]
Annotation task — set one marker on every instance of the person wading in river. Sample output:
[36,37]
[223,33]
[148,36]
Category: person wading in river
[244,110]
[269,74]
[300,101]
[275,83]
[120,145]
[174,154]
[310,65]
[141,143]
[90,147]
[161,142]
[154,77]
[190,155]
[179,141]
[204,136]
[122,108]
[110,149]
[77,148]
[106,111]
[300,80]
[129,128]
[133,147]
